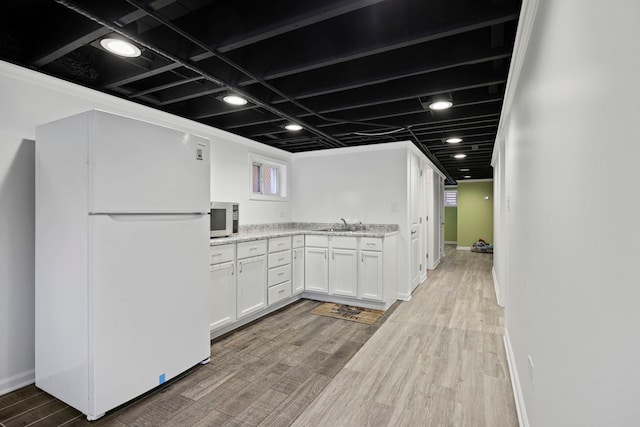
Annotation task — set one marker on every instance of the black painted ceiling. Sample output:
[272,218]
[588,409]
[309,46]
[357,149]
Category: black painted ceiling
[352,72]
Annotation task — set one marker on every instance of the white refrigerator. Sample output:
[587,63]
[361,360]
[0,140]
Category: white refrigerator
[122,265]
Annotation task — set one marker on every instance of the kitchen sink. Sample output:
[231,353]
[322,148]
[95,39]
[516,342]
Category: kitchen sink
[341,230]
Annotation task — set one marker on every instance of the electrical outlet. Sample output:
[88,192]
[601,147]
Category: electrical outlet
[530,367]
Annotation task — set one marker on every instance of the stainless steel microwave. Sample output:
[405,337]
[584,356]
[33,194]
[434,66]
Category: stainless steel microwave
[224,219]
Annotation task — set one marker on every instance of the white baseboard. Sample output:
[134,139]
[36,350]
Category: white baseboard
[523,421]
[349,301]
[404,297]
[496,287]
[463,248]
[17,381]
[450,242]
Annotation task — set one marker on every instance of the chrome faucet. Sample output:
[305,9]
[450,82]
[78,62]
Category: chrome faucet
[345,222]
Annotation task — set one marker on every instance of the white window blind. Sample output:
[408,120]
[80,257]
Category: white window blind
[451,197]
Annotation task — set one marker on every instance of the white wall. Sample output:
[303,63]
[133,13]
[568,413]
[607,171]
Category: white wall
[362,184]
[29,99]
[570,212]
[17,275]
[370,184]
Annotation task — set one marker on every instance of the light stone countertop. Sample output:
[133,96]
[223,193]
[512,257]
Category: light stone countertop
[257,233]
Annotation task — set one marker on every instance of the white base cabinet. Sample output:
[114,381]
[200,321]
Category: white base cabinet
[358,269]
[343,266]
[316,264]
[279,277]
[251,285]
[251,281]
[370,276]
[223,284]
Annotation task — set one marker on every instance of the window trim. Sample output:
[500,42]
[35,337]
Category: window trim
[282,167]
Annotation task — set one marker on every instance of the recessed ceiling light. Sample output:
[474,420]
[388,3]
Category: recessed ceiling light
[464,170]
[234,100]
[467,176]
[440,105]
[293,126]
[453,140]
[120,47]
[460,156]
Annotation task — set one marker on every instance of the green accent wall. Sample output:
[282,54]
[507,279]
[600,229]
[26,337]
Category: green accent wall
[475,214]
[450,224]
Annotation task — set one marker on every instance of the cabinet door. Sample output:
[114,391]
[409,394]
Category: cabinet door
[316,274]
[223,283]
[251,285]
[343,272]
[370,275]
[298,270]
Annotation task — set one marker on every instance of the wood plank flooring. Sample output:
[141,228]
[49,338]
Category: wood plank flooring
[437,360]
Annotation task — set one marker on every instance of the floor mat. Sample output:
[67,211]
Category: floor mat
[348,312]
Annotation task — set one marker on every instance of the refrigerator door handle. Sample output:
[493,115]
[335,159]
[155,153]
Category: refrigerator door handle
[134,217]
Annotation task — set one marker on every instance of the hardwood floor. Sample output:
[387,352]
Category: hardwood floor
[437,360]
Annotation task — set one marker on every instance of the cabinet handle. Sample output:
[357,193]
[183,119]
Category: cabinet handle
[371,244]
[232,269]
[281,291]
[217,254]
[240,267]
[280,259]
[281,274]
[362,257]
[325,254]
[333,254]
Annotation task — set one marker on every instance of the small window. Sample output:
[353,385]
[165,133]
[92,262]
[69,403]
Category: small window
[451,197]
[268,179]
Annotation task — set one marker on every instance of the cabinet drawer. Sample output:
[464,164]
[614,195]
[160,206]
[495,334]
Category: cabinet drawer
[342,242]
[256,247]
[279,292]
[279,258]
[279,274]
[371,243]
[316,240]
[279,244]
[298,241]
[222,253]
